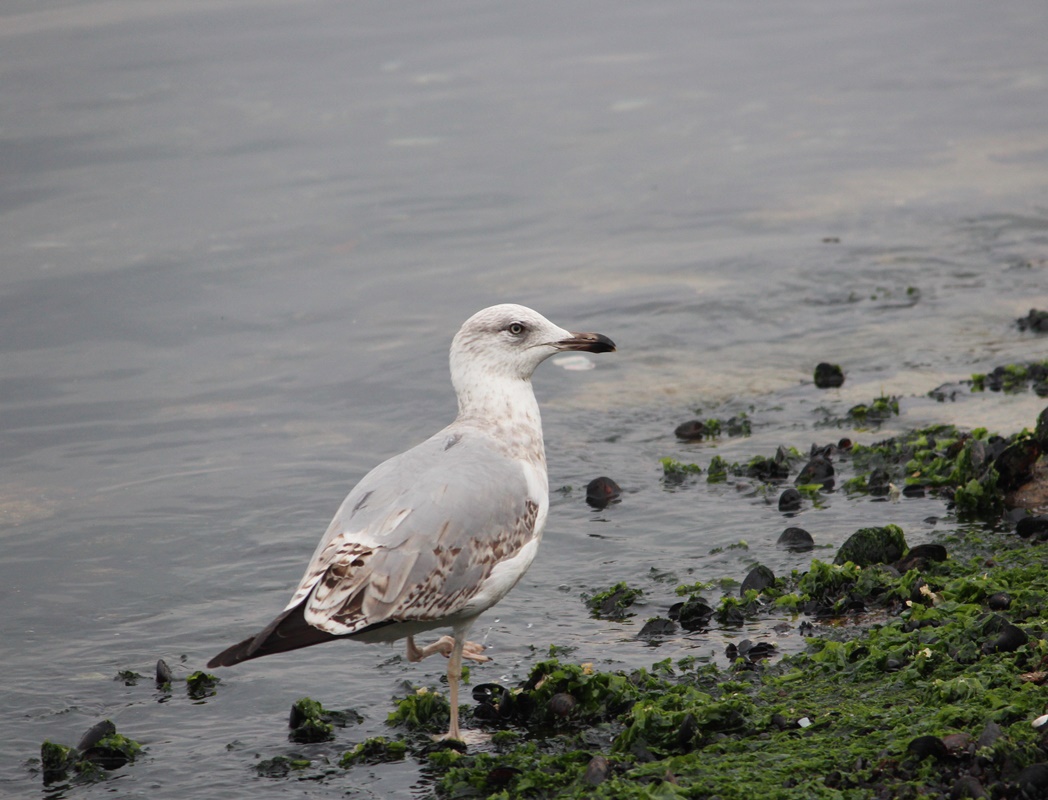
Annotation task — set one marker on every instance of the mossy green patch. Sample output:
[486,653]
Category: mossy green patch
[423,710]
[834,721]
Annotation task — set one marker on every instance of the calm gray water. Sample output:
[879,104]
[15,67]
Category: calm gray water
[237,238]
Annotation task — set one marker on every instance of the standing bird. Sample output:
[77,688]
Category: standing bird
[437,535]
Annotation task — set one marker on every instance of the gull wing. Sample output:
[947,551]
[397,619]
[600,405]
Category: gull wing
[418,536]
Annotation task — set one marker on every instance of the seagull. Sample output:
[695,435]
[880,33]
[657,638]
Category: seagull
[437,535]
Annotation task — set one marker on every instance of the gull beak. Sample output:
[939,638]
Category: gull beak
[590,342]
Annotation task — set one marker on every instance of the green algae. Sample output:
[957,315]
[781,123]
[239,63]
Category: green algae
[832,722]
[677,470]
[423,710]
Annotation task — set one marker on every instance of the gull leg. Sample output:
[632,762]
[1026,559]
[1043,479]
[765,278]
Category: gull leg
[445,645]
[454,674]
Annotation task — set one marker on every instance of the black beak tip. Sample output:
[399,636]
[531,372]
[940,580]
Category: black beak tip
[589,342]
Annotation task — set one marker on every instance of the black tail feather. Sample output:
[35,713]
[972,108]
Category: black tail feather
[289,631]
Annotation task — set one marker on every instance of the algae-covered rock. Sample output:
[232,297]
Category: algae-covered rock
[309,722]
[280,766]
[100,749]
[614,602]
[376,750]
[201,684]
[758,579]
[828,376]
[56,760]
[869,546]
[1036,321]
[693,614]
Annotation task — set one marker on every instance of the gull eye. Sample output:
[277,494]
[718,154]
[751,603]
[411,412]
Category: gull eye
[515,328]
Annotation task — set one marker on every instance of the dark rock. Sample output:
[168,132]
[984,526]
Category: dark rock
[1036,321]
[844,444]
[691,431]
[957,743]
[770,469]
[878,483]
[1034,780]
[869,546]
[828,376]
[796,540]
[760,578]
[928,747]
[602,491]
[495,702]
[790,500]
[750,650]
[913,490]
[654,628]
[501,776]
[819,470]
[966,786]
[999,601]
[920,556]
[1015,464]
[1040,434]
[596,771]
[693,614]
[1009,638]
[1028,526]
[689,728]
[163,674]
[562,704]
[991,732]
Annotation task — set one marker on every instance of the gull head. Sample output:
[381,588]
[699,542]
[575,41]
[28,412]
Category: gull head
[509,341]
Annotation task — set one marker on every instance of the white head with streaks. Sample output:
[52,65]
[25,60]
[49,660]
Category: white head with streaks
[502,345]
